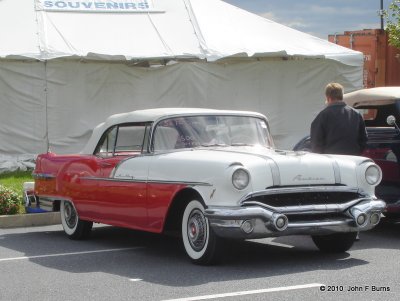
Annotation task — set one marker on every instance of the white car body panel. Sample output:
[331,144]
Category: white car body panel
[212,168]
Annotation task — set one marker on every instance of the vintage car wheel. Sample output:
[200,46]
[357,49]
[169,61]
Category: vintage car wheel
[200,242]
[74,227]
[335,243]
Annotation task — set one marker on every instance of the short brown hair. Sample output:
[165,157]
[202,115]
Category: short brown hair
[334,91]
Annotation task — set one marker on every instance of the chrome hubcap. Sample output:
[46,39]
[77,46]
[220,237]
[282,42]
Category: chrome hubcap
[70,215]
[197,230]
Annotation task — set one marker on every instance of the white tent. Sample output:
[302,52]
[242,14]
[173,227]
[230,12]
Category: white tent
[66,65]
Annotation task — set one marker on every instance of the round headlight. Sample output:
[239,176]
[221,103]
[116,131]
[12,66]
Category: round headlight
[240,179]
[373,175]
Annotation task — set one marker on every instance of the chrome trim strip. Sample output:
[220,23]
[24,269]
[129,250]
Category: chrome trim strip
[336,171]
[276,174]
[43,176]
[309,209]
[319,224]
[298,189]
[146,181]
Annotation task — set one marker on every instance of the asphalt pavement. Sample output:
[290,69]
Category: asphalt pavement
[41,263]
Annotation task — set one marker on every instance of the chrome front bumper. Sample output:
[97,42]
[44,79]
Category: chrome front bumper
[256,220]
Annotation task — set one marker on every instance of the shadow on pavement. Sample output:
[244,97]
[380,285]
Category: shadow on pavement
[158,257]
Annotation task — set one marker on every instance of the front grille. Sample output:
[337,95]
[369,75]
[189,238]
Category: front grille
[306,198]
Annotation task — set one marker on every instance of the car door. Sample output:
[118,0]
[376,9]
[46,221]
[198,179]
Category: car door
[121,200]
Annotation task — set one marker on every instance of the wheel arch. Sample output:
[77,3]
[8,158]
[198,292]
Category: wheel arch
[174,216]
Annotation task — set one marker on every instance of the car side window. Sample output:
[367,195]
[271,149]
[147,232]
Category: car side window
[107,143]
[130,139]
[122,140]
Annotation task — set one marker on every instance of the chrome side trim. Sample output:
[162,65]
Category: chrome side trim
[132,180]
[43,176]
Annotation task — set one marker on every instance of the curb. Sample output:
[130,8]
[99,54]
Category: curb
[30,220]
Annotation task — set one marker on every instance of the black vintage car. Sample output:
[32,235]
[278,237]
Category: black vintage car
[380,108]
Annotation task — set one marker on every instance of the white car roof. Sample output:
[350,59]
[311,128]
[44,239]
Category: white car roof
[151,115]
[372,96]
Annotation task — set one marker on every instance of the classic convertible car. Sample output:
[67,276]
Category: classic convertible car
[208,175]
[380,108]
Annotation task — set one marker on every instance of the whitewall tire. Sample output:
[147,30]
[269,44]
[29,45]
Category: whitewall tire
[200,242]
[73,226]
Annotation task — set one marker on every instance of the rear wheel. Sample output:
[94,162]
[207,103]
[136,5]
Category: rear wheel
[74,227]
[200,242]
[335,243]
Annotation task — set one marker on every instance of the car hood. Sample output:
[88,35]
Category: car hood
[290,168]
[284,168]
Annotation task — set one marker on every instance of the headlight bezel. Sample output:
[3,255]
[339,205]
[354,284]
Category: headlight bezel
[240,178]
[373,174]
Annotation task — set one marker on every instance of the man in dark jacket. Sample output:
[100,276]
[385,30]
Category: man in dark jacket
[338,129]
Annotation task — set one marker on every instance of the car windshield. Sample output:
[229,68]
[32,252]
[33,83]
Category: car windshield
[211,130]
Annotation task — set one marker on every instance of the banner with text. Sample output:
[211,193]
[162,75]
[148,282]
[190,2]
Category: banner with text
[125,6]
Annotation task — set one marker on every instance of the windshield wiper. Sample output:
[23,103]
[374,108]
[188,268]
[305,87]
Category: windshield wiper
[241,144]
[214,144]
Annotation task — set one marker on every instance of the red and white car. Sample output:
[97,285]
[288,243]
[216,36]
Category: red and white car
[209,175]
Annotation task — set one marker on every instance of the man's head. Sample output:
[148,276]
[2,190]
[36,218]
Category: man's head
[334,92]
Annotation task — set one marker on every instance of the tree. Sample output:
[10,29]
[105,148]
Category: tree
[393,23]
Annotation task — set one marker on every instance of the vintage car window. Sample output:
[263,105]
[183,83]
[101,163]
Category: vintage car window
[210,130]
[122,140]
[375,116]
[107,143]
[130,139]
[368,114]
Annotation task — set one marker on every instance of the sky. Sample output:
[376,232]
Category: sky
[318,17]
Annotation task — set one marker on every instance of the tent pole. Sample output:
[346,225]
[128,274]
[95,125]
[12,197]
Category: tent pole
[46,106]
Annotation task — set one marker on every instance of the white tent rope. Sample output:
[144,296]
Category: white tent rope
[196,27]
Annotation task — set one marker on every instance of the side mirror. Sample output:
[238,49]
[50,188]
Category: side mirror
[391,120]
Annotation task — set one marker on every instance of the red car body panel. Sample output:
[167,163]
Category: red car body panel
[87,181]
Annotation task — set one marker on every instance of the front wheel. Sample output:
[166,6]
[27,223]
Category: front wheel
[200,242]
[73,226]
[335,243]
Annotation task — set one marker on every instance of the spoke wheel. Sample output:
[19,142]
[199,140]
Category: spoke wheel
[70,216]
[197,230]
[74,227]
[200,243]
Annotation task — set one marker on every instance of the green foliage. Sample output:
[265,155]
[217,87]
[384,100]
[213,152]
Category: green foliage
[393,23]
[11,200]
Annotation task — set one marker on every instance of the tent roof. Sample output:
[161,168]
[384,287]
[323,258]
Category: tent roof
[172,29]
